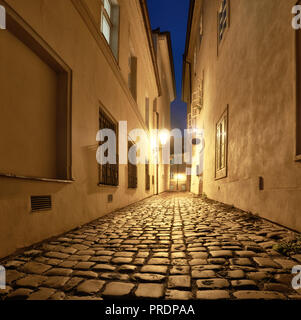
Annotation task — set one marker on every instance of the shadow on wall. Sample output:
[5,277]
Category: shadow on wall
[91,168]
[11,188]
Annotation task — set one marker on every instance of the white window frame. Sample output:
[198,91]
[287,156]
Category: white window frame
[221,147]
[107,17]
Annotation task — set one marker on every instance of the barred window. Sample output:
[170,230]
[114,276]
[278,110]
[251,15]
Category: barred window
[108,173]
[147,177]
[223,19]
[132,170]
[221,146]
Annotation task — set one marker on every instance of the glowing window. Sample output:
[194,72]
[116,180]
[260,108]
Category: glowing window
[221,146]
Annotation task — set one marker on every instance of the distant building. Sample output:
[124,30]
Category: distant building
[68,69]
[241,80]
[178,177]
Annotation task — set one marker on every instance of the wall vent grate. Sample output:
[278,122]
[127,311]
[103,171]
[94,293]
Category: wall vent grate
[41,203]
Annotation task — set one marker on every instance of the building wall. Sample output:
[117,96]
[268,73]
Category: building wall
[178,178]
[71,30]
[253,72]
[162,105]
[164,100]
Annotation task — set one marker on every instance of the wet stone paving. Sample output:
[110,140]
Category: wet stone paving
[172,246]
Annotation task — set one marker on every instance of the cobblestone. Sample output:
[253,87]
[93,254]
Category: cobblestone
[236,274]
[42,294]
[213,284]
[178,295]
[213,295]
[90,286]
[149,277]
[154,269]
[31,281]
[20,294]
[258,295]
[35,267]
[150,291]
[266,262]
[119,289]
[183,282]
[244,284]
[173,246]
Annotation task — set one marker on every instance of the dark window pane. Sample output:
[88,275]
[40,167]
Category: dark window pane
[108,173]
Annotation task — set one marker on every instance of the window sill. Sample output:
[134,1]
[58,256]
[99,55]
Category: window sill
[298,158]
[221,174]
[13,176]
[106,186]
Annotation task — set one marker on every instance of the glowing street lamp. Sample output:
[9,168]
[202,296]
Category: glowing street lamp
[164,135]
[181,177]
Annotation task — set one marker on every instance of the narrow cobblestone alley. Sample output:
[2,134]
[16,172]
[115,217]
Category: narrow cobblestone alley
[172,246]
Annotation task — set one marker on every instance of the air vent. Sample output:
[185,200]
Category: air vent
[110,198]
[41,203]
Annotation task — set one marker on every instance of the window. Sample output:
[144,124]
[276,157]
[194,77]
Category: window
[110,24]
[132,169]
[35,125]
[298,93]
[133,76]
[147,112]
[223,19]
[108,173]
[155,105]
[147,177]
[221,146]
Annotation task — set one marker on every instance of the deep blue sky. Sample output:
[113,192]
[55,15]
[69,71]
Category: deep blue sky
[171,15]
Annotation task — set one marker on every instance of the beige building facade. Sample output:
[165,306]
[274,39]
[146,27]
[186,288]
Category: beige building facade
[241,81]
[67,70]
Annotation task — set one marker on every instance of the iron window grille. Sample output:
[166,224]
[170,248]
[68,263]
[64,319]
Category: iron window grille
[108,173]
[221,146]
[147,177]
[223,19]
[132,171]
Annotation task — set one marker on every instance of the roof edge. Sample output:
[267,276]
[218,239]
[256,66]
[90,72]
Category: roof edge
[171,59]
[188,33]
[147,24]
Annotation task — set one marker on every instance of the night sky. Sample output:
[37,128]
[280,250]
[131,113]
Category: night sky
[171,15]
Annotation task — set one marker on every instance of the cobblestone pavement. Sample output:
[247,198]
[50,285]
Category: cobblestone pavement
[173,246]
